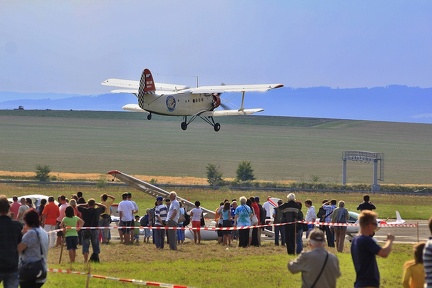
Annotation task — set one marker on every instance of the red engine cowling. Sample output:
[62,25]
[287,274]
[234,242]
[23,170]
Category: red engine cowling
[216,100]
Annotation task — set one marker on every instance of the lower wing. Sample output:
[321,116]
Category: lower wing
[232,112]
[136,108]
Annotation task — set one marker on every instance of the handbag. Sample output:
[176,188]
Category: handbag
[32,271]
[254,220]
[202,221]
[182,218]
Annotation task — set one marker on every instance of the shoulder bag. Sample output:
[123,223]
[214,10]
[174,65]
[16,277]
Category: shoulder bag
[32,271]
[182,218]
[254,218]
[322,269]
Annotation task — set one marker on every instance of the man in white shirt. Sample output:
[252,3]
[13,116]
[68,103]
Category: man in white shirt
[135,211]
[172,220]
[310,216]
[268,207]
[62,208]
[125,209]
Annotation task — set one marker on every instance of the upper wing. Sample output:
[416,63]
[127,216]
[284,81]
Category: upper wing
[132,86]
[235,88]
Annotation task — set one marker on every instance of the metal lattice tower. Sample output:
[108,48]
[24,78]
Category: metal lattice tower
[365,157]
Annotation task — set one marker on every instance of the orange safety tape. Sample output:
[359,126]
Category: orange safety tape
[238,227]
[134,281]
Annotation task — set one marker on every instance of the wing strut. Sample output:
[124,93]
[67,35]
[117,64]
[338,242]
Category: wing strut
[242,102]
[153,190]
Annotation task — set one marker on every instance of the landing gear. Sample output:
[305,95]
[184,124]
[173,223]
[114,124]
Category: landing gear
[149,116]
[216,127]
[208,119]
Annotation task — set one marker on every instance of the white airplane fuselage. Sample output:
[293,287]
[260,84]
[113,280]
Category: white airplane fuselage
[177,104]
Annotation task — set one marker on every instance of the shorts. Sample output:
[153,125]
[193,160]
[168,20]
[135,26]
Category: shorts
[147,232]
[71,243]
[59,233]
[220,232]
[226,223]
[196,224]
[126,224]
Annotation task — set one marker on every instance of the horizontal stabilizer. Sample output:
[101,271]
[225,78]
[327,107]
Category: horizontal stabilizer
[133,108]
[129,91]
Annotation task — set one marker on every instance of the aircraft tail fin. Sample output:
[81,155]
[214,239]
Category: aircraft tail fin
[147,85]
[398,217]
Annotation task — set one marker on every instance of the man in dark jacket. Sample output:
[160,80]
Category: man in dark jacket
[290,214]
[90,215]
[10,237]
[366,204]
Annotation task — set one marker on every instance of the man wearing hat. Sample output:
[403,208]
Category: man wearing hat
[319,268]
[160,221]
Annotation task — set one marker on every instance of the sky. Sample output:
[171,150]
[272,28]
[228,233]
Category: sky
[72,46]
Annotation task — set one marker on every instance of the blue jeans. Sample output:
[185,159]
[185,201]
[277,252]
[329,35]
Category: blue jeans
[180,233]
[9,279]
[299,241]
[279,230]
[159,237]
[94,238]
[330,236]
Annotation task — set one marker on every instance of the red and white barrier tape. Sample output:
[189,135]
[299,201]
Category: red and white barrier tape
[238,227]
[134,281]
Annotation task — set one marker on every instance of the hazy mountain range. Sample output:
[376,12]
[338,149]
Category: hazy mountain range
[393,103]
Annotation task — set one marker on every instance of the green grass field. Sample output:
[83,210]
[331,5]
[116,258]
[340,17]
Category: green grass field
[279,148]
[211,265]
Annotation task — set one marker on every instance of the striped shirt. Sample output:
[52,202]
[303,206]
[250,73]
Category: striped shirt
[427,262]
[162,212]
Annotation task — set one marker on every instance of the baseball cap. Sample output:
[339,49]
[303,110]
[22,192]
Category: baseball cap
[159,198]
[316,235]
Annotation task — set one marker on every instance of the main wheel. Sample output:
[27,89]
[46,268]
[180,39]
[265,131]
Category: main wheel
[216,127]
[149,117]
[184,125]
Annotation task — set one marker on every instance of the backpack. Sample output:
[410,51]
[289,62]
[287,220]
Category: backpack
[152,217]
[321,214]
[277,216]
[144,220]
[187,219]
